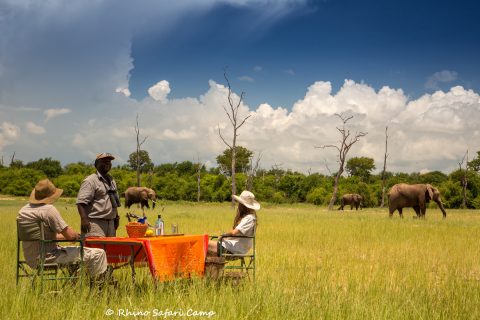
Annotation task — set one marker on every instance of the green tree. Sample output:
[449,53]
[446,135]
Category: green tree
[19,182]
[361,167]
[165,168]
[186,168]
[434,178]
[475,163]
[17,164]
[78,168]
[51,168]
[145,163]
[242,163]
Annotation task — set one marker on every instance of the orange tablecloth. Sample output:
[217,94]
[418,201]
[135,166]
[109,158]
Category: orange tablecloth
[167,257]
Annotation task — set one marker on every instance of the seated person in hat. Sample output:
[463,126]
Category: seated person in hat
[40,208]
[244,224]
[97,200]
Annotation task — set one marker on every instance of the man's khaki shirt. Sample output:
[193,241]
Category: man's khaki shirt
[93,194]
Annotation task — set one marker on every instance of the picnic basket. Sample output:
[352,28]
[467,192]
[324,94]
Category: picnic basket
[136,229]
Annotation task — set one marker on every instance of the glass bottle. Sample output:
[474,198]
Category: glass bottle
[159,231]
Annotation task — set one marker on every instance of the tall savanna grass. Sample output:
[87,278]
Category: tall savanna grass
[311,264]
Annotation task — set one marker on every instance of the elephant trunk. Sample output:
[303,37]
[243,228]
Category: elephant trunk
[440,205]
[153,204]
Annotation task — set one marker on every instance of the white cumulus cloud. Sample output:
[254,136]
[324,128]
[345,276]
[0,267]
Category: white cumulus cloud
[160,91]
[125,91]
[9,133]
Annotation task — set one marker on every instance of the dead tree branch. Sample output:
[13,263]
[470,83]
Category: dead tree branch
[253,171]
[232,112]
[346,142]
[464,179]
[382,204]
[139,144]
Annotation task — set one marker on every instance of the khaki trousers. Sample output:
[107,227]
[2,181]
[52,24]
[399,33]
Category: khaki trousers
[94,259]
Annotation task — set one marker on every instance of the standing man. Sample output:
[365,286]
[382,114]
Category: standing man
[40,209]
[98,200]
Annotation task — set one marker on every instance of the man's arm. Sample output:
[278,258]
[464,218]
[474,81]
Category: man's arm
[84,220]
[68,234]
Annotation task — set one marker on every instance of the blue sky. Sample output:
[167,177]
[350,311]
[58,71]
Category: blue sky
[75,74]
[397,43]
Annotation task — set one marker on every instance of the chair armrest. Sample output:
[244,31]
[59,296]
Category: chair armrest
[79,241]
[239,236]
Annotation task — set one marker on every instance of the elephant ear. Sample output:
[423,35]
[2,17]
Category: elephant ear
[143,194]
[429,191]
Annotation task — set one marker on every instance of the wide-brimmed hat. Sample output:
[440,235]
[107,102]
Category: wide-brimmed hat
[104,155]
[45,192]
[247,199]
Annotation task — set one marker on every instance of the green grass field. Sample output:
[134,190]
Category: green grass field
[311,264]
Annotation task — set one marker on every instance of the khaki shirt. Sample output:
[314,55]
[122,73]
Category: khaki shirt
[93,194]
[53,223]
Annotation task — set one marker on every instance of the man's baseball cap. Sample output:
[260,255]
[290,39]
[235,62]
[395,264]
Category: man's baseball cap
[104,155]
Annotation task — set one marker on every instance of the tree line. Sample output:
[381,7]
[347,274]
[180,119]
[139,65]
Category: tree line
[192,181]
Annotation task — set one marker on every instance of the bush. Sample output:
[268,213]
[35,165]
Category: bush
[318,196]
[19,182]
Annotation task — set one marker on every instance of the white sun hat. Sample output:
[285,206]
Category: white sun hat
[247,199]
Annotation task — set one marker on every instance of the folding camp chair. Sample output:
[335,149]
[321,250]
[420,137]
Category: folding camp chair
[33,231]
[236,261]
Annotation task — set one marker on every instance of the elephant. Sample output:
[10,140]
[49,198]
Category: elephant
[140,195]
[353,199]
[404,195]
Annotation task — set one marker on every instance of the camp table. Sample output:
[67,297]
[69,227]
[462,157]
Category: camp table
[168,257]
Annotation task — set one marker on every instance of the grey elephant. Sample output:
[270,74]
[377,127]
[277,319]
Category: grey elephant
[140,195]
[352,199]
[416,196]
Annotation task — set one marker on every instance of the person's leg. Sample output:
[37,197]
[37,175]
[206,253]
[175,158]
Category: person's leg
[95,259]
[110,229]
[212,248]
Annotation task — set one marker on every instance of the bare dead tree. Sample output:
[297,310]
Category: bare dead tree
[12,159]
[326,166]
[277,170]
[199,166]
[149,179]
[252,171]
[346,143]
[237,122]
[139,144]
[464,179]
[382,204]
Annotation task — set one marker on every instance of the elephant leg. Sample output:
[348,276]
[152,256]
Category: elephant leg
[417,210]
[390,212]
[400,212]
[423,209]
